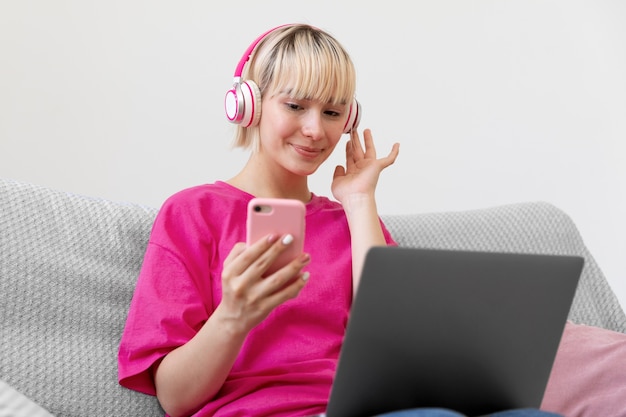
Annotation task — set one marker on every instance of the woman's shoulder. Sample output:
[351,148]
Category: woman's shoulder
[199,206]
[213,196]
[194,210]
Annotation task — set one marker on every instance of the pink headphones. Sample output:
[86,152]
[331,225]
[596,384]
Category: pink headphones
[243,102]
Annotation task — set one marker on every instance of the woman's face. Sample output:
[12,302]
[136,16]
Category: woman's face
[299,134]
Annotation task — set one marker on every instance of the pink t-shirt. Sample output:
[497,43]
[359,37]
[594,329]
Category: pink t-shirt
[287,363]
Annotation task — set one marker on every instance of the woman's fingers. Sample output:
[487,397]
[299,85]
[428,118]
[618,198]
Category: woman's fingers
[242,256]
[391,157]
[286,282]
[245,266]
[355,152]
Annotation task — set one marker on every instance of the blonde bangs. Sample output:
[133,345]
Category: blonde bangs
[308,65]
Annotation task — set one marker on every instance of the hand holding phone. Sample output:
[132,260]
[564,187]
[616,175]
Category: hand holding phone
[280,217]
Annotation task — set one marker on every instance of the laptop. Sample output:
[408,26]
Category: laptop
[475,332]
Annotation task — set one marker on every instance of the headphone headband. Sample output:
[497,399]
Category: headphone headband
[246,55]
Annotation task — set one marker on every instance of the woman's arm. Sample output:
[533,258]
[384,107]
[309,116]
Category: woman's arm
[365,231]
[355,187]
[193,373]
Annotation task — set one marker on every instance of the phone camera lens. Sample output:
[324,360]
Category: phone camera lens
[257,208]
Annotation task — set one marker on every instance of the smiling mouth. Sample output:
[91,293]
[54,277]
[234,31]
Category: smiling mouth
[306,151]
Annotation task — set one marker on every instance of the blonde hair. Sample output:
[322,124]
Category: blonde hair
[306,61]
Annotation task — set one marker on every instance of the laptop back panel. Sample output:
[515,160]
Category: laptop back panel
[476,332]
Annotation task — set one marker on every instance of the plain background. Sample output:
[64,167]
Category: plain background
[493,102]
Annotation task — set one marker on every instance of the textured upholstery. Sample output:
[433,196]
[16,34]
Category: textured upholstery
[68,266]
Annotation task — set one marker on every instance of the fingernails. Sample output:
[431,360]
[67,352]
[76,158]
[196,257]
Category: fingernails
[287,239]
[305,276]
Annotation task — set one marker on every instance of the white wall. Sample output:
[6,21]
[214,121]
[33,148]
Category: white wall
[494,102]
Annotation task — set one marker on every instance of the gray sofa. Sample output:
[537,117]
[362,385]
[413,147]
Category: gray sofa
[68,265]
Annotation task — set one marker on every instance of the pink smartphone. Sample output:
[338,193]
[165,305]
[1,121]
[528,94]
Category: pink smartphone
[278,216]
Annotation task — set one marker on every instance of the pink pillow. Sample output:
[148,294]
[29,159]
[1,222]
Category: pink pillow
[588,378]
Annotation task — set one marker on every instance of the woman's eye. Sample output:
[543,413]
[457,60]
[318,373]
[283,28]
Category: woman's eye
[332,113]
[293,106]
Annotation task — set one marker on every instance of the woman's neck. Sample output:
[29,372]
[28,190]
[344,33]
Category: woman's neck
[258,180]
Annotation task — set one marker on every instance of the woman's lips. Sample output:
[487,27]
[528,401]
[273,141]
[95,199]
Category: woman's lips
[306,151]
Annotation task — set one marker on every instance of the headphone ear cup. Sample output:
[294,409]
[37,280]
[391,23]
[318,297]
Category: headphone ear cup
[233,104]
[251,98]
[354,117]
[242,104]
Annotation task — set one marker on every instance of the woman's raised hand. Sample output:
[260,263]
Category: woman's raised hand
[360,175]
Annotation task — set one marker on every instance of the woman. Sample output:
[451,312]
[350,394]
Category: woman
[208,333]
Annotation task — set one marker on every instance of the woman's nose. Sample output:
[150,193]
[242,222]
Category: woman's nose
[312,125]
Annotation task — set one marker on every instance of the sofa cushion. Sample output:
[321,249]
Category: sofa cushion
[588,378]
[68,266]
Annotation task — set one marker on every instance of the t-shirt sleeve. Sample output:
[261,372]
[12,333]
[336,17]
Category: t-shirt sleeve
[388,238]
[169,304]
